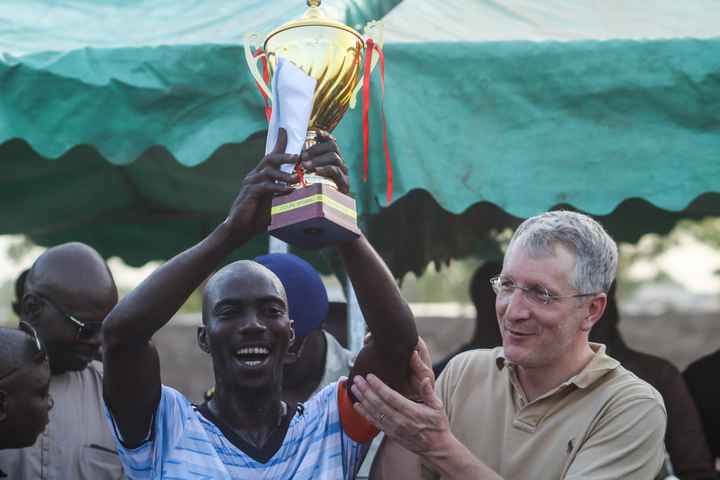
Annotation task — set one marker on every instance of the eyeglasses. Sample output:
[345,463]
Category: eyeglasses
[85,330]
[39,357]
[504,287]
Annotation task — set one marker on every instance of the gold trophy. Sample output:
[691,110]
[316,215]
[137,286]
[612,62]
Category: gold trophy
[315,214]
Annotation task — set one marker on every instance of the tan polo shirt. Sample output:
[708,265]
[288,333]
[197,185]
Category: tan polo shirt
[77,443]
[604,423]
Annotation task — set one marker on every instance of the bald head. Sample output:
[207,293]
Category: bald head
[68,284]
[70,267]
[221,283]
[17,349]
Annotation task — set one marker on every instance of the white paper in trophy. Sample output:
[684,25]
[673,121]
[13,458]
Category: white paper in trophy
[292,94]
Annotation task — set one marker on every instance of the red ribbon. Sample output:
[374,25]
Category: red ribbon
[372,46]
[266,76]
[300,172]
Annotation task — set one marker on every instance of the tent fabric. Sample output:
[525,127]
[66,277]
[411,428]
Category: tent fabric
[138,145]
[559,20]
[32,26]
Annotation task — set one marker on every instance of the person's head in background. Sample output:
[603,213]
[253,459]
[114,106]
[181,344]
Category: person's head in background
[307,309]
[24,388]
[606,330]
[487,332]
[68,292]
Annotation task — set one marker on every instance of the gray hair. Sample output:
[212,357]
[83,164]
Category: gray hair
[596,254]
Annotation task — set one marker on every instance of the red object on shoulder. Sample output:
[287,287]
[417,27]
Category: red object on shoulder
[355,425]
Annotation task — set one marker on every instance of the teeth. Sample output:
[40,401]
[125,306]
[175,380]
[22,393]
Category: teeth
[253,351]
[252,363]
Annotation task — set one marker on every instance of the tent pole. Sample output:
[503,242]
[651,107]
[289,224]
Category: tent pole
[355,321]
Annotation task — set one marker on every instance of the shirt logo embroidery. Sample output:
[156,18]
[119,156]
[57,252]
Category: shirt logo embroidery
[570,446]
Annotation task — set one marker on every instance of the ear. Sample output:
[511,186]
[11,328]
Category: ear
[594,311]
[202,339]
[3,405]
[30,307]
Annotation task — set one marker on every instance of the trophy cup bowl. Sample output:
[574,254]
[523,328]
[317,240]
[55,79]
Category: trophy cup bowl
[315,214]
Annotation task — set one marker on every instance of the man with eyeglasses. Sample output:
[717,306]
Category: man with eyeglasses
[65,297]
[24,390]
[548,404]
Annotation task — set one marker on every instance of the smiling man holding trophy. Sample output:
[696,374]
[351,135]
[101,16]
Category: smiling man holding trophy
[246,430]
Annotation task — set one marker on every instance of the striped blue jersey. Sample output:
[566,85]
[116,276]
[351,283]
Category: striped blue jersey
[186,445]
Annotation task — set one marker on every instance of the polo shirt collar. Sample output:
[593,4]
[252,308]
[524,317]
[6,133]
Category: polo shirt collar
[599,365]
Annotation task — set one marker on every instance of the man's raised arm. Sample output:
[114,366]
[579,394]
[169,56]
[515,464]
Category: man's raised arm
[132,382]
[387,314]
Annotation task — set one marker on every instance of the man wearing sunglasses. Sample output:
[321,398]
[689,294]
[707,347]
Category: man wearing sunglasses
[65,297]
[548,404]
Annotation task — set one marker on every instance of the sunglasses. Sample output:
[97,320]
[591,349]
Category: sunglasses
[85,330]
[39,357]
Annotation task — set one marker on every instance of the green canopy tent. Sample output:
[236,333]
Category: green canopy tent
[517,107]
[136,142]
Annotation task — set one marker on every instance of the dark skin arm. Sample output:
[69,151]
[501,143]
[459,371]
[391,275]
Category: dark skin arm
[387,314]
[132,370]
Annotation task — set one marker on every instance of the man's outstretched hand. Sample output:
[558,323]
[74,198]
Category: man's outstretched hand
[250,212]
[415,424]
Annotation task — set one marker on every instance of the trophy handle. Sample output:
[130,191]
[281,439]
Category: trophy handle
[252,59]
[374,30]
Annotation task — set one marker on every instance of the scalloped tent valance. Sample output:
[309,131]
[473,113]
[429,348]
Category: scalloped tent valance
[138,149]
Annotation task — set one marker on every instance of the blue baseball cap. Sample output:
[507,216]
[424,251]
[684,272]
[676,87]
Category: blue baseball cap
[306,294]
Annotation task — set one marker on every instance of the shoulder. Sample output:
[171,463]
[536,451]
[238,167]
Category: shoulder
[655,370]
[704,367]
[95,369]
[622,390]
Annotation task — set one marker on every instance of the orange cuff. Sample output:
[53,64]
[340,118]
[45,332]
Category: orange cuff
[355,425]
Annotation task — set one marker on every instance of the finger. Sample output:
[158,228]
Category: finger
[367,339]
[272,174]
[336,175]
[386,396]
[424,351]
[420,368]
[369,398]
[320,149]
[368,416]
[429,397]
[277,159]
[326,159]
[270,188]
[281,142]
[324,136]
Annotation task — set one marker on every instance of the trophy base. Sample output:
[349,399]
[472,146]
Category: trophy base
[313,217]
